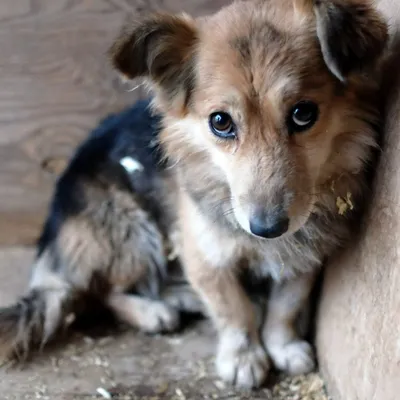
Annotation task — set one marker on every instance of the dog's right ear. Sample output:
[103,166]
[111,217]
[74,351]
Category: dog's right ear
[160,48]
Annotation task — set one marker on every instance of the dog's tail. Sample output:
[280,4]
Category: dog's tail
[30,323]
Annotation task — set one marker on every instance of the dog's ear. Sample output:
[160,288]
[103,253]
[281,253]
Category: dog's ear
[160,48]
[352,35]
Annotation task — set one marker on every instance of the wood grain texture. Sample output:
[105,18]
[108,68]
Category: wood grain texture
[56,83]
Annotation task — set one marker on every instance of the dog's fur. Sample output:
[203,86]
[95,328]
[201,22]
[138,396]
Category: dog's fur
[108,235]
[254,60]
[109,226]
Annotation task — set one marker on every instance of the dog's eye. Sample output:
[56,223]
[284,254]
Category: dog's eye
[303,116]
[222,125]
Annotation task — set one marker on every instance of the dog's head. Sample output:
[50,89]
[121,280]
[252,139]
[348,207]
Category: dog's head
[272,98]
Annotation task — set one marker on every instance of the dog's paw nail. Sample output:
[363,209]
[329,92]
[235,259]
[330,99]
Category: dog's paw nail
[161,318]
[244,368]
[185,300]
[295,358]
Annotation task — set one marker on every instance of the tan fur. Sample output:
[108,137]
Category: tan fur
[109,248]
[255,60]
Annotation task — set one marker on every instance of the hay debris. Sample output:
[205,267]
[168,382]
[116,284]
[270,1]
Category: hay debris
[303,387]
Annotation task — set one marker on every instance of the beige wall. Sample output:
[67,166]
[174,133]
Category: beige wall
[359,317]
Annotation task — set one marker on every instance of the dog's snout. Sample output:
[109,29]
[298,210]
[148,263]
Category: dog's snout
[269,225]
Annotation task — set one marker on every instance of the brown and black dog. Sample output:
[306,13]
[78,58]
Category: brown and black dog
[267,116]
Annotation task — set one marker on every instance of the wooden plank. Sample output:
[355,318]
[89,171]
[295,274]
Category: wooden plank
[55,84]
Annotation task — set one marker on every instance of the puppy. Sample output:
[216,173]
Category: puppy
[269,113]
[106,237]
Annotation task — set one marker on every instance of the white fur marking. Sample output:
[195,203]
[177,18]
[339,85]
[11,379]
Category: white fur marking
[242,219]
[240,360]
[295,358]
[131,165]
[103,393]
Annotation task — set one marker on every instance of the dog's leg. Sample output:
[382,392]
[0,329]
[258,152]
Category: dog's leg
[210,268]
[148,315]
[287,350]
[210,260]
[241,358]
[183,298]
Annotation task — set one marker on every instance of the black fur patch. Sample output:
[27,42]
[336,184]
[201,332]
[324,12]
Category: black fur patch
[352,36]
[131,133]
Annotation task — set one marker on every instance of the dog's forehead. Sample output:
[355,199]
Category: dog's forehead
[256,51]
[252,55]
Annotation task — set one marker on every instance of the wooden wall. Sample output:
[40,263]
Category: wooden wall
[55,84]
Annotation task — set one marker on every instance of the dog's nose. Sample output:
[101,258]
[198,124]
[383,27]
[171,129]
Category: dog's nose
[269,225]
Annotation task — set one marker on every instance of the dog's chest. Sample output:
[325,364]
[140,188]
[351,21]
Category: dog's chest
[269,262]
[281,259]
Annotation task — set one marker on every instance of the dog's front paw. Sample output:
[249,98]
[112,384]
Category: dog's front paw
[241,361]
[183,298]
[294,358]
[159,317]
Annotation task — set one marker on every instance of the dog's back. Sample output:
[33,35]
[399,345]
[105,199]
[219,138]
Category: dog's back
[106,233]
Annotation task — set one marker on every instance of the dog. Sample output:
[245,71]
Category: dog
[270,117]
[108,237]
[250,164]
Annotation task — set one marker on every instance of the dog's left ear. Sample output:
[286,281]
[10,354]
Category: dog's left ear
[352,35]
[160,48]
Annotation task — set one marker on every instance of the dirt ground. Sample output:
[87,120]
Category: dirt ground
[108,361]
